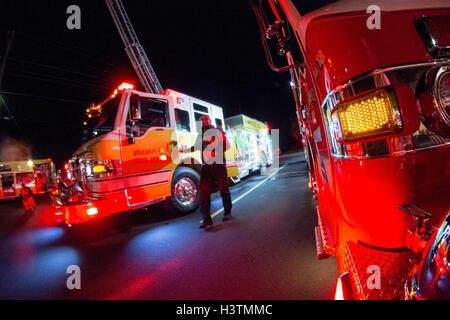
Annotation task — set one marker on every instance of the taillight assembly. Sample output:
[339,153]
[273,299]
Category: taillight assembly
[367,116]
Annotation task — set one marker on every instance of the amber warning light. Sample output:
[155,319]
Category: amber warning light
[371,115]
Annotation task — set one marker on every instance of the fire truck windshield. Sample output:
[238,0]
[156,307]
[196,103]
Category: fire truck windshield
[101,119]
[307,6]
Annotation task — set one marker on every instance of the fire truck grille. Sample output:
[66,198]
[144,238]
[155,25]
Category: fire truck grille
[361,261]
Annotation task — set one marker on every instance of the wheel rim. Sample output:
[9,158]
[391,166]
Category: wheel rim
[185,191]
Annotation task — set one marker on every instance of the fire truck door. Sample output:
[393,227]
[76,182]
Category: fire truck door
[146,161]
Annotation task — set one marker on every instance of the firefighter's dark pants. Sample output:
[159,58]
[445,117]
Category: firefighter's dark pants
[210,174]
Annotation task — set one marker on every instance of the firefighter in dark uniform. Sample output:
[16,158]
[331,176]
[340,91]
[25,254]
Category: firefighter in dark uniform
[27,198]
[214,144]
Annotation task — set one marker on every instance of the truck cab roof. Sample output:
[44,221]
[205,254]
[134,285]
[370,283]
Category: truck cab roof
[348,6]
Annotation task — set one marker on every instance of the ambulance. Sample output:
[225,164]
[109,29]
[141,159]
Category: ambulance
[252,141]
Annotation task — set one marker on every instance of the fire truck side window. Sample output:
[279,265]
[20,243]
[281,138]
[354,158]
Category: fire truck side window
[219,123]
[199,115]
[183,120]
[198,107]
[154,113]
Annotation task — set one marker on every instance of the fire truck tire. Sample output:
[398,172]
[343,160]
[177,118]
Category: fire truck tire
[185,192]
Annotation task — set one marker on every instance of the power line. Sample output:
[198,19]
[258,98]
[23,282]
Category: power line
[45,123]
[47,76]
[65,46]
[78,102]
[8,47]
[53,81]
[57,68]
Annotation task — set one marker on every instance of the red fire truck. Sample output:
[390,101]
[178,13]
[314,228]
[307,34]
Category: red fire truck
[371,82]
[38,174]
[130,158]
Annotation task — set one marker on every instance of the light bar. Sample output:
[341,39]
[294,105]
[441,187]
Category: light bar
[122,87]
[125,85]
[368,116]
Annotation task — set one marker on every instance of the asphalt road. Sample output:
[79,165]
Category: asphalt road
[266,252]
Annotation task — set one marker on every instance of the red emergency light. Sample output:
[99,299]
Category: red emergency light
[122,87]
[125,85]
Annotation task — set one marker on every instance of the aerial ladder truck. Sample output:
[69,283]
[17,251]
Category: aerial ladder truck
[131,158]
[133,48]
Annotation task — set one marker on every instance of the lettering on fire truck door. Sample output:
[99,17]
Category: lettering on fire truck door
[146,161]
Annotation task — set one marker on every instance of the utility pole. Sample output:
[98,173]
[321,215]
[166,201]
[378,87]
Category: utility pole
[5,57]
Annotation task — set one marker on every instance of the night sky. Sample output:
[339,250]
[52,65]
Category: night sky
[207,49]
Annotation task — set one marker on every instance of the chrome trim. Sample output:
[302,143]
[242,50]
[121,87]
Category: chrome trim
[185,191]
[357,79]
[430,279]
[406,74]
[428,38]
[392,154]
[437,99]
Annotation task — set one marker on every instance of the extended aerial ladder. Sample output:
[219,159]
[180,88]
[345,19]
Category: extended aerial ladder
[133,48]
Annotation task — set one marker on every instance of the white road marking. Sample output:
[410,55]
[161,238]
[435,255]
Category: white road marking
[248,192]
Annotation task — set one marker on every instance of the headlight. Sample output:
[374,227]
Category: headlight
[100,168]
[371,115]
[431,278]
[442,93]
[434,100]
